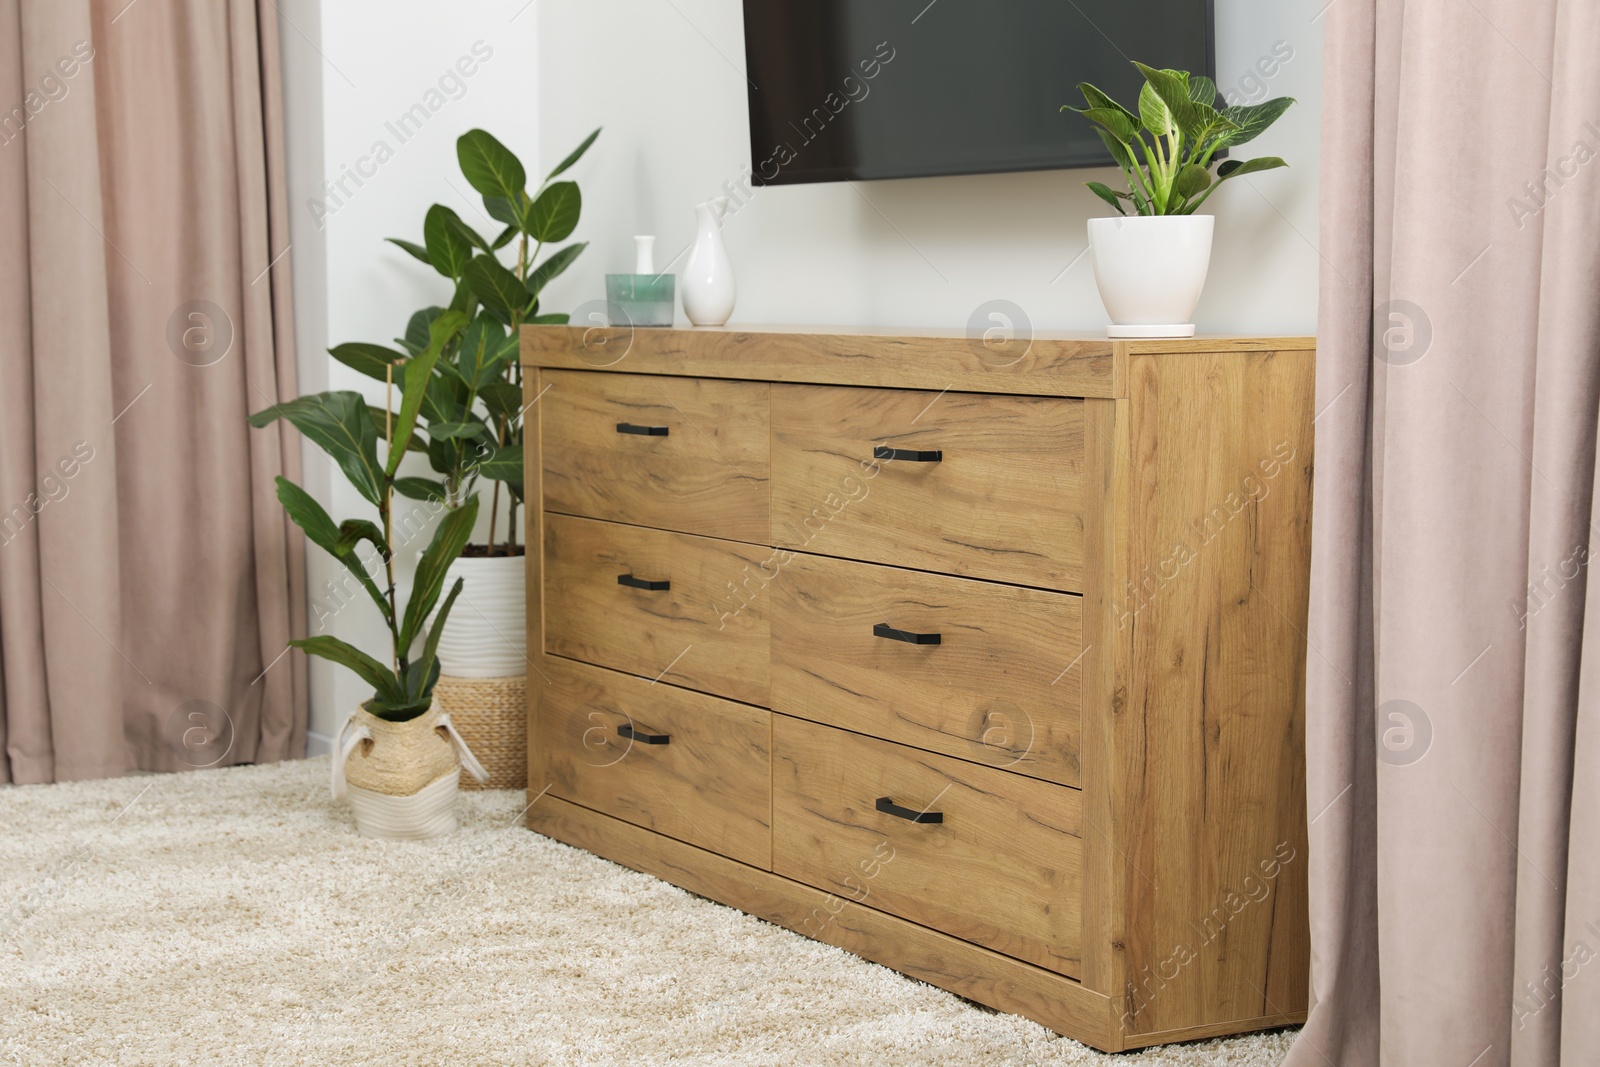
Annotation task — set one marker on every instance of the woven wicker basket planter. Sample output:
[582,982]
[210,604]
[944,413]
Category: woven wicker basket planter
[401,778]
[492,715]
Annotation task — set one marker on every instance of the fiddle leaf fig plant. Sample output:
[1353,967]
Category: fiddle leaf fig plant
[1167,149]
[344,426]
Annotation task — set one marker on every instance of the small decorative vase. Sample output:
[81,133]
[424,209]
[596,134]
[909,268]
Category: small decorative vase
[1151,270]
[402,777]
[708,287]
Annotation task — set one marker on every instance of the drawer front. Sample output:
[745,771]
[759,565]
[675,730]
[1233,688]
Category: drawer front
[1003,501]
[1003,869]
[852,646]
[682,764]
[656,604]
[675,453]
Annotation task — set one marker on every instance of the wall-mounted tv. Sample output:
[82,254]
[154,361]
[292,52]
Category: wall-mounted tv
[867,89]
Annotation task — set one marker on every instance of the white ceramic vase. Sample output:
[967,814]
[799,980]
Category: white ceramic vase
[486,635]
[1151,270]
[708,287]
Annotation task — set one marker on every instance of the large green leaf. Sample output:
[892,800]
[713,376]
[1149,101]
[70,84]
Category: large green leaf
[556,318]
[554,215]
[503,400]
[320,530]
[490,166]
[416,338]
[1115,121]
[507,210]
[462,431]
[1154,113]
[383,681]
[504,466]
[420,489]
[1234,167]
[448,248]
[496,286]
[1119,151]
[383,420]
[1104,192]
[1202,90]
[1192,180]
[372,360]
[505,237]
[419,372]
[577,154]
[1252,119]
[448,540]
[354,531]
[337,423]
[415,249]
[551,268]
[473,237]
[486,348]
[1171,89]
[1098,99]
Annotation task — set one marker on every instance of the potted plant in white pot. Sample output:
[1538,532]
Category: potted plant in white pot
[398,756]
[1150,263]
[472,409]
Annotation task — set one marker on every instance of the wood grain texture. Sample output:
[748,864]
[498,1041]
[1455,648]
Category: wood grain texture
[707,475]
[694,634]
[710,784]
[1207,786]
[1050,364]
[938,959]
[1004,503]
[1000,688]
[1003,869]
[533,538]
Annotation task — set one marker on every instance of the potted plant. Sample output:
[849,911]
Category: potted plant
[403,780]
[472,407]
[1151,262]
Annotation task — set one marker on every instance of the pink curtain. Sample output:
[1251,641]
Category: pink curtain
[148,579]
[1453,708]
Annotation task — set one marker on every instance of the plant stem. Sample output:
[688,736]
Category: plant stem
[387,508]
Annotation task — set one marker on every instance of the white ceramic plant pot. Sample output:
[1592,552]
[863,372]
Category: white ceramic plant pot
[1151,270]
[486,635]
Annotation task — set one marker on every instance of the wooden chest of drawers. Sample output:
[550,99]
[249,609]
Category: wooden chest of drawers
[987,667]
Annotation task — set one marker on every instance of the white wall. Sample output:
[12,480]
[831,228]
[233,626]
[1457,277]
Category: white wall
[352,69]
[666,80]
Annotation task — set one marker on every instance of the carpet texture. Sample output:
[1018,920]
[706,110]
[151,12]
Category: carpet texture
[232,917]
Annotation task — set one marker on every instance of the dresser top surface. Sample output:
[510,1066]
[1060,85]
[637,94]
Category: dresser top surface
[1046,363]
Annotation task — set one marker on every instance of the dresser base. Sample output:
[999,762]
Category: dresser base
[967,970]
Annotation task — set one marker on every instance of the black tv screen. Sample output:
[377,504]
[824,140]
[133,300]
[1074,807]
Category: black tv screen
[866,89]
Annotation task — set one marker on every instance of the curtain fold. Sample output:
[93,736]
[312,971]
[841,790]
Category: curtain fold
[148,580]
[1454,770]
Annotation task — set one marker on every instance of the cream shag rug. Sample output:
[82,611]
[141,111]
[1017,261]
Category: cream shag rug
[231,917]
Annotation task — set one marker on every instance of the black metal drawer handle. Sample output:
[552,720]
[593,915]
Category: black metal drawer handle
[639,583]
[627,730]
[642,431]
[883,629]
[910,454]
[889,807]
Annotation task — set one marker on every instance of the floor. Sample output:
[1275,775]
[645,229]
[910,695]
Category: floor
[234,917]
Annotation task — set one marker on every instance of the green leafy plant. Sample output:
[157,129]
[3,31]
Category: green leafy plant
[342,425]
[1167,150]
[472,403]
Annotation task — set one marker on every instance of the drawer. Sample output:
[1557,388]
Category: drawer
[695,768]
[851,646]
[656,604]
[674,453]
[1003,868]
[983,486]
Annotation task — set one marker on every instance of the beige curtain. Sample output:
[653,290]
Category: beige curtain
[1454,681]
[148,581]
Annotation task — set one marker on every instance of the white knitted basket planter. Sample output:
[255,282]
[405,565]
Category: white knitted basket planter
[402,778]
